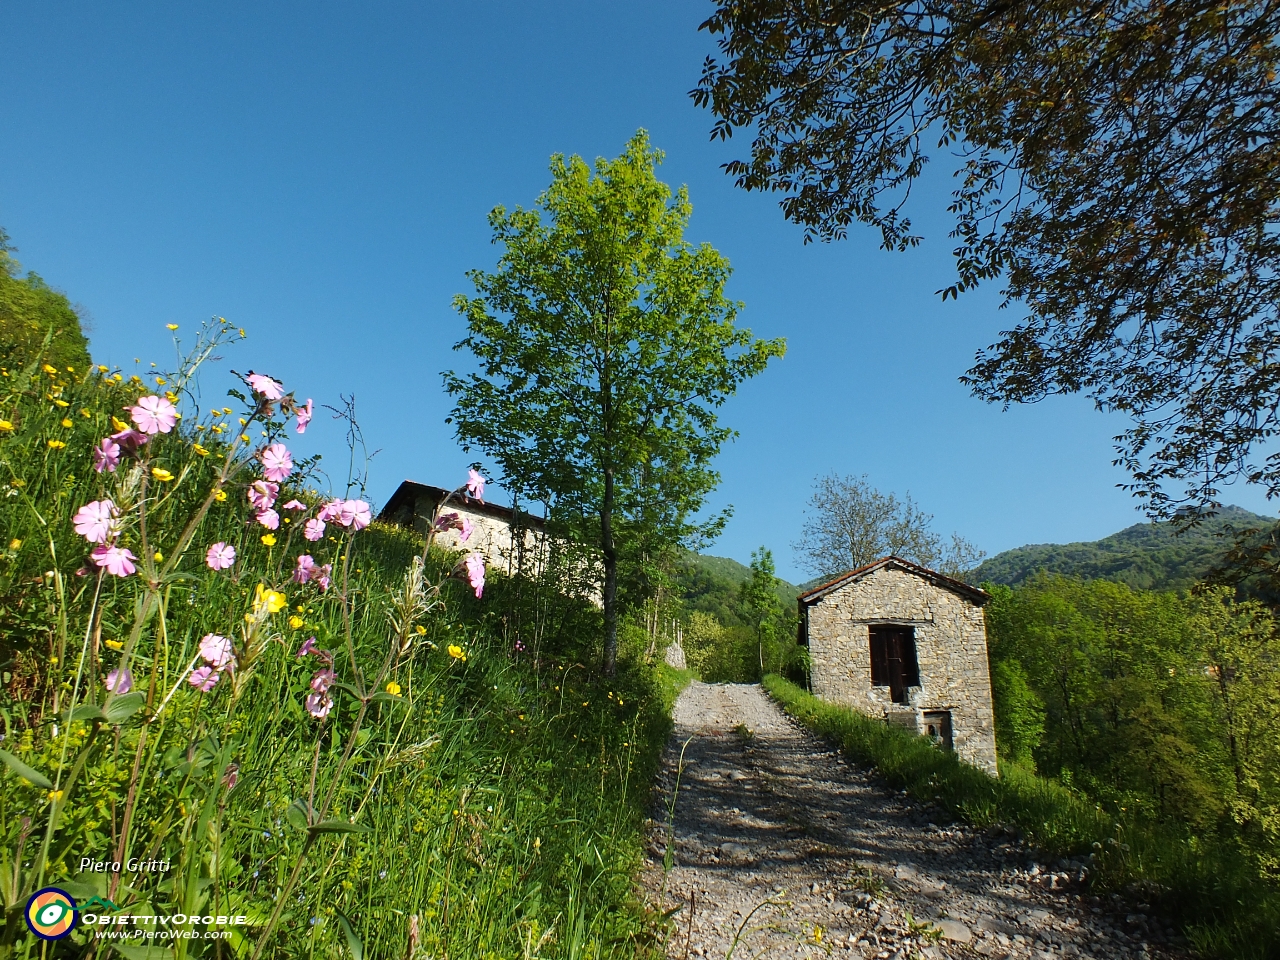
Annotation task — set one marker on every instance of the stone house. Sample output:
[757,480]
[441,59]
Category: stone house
[898,641]
[509,540]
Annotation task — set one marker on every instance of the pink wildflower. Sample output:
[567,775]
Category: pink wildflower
[130,440]
[119,681]
[475,485]
[97,521]
[304,416]
[269,519]
[277,462]
[323,680]
[314,529]
[106,455]
[330,511]
[355,514]
[264,385]
[117,560]
[322,577]
[475,572]
[308,646]
[305,569]
[295,505]
[216,650]
[319,705]
[220,556]
[262,494]
[204,678]
[154,415]
[467,529]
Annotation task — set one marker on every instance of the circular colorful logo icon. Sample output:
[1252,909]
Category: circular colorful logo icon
[51,913]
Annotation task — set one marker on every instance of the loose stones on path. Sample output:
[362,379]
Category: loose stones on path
[779,848]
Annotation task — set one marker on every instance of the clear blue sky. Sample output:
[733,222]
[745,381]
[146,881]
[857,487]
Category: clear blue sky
[320,174]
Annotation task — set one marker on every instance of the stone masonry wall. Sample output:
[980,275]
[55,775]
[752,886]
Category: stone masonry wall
[951,650]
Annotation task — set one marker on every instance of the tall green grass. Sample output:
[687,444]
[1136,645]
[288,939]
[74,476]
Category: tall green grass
[1211,889]
[486,805]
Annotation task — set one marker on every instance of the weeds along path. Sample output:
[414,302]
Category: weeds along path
[780,848]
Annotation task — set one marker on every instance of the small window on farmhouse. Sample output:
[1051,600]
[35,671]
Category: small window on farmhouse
[893,660]
[937,725]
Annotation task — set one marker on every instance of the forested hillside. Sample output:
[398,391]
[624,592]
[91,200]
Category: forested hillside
[1146,556]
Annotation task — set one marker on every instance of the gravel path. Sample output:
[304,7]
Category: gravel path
[781,848]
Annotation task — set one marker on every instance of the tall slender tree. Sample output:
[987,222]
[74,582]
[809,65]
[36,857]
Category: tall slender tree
[605,344]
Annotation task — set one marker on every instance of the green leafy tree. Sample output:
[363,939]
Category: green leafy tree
[760,605]
[1117,167]
[31,313]
[605,344]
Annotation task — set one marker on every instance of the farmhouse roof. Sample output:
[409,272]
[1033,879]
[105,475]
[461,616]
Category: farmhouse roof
[980,597]
[410,491]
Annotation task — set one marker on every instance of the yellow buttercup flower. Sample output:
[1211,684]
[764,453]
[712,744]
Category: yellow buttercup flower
[117,377]
[295,623]
[269,539]
[114,644]
[393,688]
[56,444]
[220,495]
[161,381]
[171,396]
[171,326]
[15,544]
[244,437]
[200,450]
[67,422]
[61,403]
[85,413]
[119,424]
[421,630]
[161,474]
[159,557]
[49,368]
[55,796]
[456,652]
[102,369]
[6,426]
[273,600]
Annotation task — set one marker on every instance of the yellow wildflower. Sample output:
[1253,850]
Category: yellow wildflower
[244,437]
[200,450]
[102,369]
[220,495]
[119,424]
[161,381]
[159,557]
[421,629]
[171,396]
[171,326]
[61,403]
[273,600]
[49,368]
[114,644]
[161,474]
[117,377]
[226,411]
[295,623]
[15,544]
[66,422]
[71,369]
[269,539]
[393,688]
[56,444]
[456,652]
[85,413]
[55,796]
[6,426]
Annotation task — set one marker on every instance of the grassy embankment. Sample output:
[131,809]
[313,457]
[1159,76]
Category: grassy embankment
[464,797]
[1209,888]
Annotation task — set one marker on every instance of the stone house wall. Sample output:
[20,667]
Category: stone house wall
[951,651]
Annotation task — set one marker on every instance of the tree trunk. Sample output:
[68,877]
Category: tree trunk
[610,577]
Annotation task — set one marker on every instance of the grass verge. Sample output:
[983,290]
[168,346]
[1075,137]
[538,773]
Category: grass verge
[1223,906]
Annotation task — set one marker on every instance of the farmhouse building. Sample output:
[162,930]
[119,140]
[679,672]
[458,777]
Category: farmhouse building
[895,640]
[508,539]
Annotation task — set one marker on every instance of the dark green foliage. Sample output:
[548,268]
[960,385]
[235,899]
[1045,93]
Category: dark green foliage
[1211,889]
[30,312]
[1146,556]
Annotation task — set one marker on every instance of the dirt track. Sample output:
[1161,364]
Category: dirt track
[779,847]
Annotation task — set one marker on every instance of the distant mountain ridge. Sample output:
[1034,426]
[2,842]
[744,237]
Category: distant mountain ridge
[1146,556]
